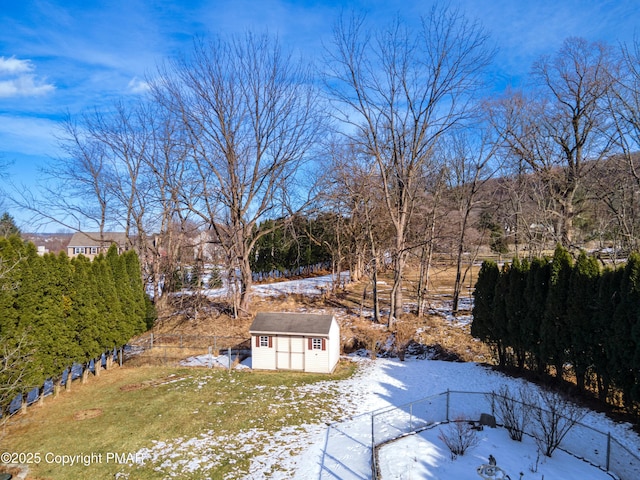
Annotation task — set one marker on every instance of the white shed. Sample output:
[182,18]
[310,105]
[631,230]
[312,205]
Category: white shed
[295,341]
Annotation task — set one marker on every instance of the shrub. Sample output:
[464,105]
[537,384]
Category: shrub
[554,420]
[515,414]
[459,436]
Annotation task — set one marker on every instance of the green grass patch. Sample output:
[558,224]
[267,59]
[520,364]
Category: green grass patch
[167,418]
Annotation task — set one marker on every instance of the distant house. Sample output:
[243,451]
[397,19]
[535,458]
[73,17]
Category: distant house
[91,244]
[295,341]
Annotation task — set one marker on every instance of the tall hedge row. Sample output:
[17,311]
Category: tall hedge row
[549,313]
[63,310]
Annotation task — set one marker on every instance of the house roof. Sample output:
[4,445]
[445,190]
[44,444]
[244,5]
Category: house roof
[92,239]
[291,323]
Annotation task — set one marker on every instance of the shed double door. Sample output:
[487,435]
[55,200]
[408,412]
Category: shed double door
[290,353]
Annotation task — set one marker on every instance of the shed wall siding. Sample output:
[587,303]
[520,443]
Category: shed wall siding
[262,358]
[333,346]
[317,361]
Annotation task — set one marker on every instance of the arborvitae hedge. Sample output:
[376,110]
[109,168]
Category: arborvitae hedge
[557,312]
[69,310]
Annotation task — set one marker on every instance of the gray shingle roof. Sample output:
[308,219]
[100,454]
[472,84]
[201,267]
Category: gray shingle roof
[291,323]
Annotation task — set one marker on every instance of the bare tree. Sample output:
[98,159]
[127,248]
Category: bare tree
[514,408]
[125,135]
[355,192]
[251,116]
[75,192]
[553,420]
[469,168]
[430,209]
[563,130]
[621,195]
[165,161]
[398,92]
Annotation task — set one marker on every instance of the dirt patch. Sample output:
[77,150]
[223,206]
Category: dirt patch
[131,387]
[86,414]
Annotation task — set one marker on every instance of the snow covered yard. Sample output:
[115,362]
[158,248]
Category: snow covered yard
[307,452]
[424,456]
[386,383]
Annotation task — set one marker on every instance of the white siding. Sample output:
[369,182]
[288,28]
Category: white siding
[316,360]
[262,358]
[334,345]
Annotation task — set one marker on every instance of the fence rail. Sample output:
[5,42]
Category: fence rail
[350,445]
[173,348]
[36,394]
[149,349]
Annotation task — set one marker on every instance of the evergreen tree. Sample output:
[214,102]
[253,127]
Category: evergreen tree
[11,259]
[108,305]
[139,311]
[581,312]
[8,226]
[516,309]
[120,278]
[604,335]
[483,302]
[555,329]
[84,294]
[42,309]
[622,345]
[536,291]
[500,325]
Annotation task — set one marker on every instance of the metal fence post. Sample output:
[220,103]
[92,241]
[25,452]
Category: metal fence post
[410,417]
[373,449]
[493,404]
[447,404]
[608,449]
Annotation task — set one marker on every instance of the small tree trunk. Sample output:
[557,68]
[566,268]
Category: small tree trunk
[245,287]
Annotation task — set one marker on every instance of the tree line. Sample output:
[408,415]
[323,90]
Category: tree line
[298,243]
[395,139]
[547,314]
[56,311]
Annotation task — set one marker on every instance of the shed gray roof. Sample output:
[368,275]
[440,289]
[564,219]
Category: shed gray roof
[291,323]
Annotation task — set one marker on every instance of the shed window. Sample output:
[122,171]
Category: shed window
[317,344]
[264,341]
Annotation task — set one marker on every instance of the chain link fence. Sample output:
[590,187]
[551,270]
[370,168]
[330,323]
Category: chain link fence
[36,394]
[351,445]
[175,348]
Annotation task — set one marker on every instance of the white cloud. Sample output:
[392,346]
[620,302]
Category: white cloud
[138,86]
[13,66]
[24,86]
[18,81]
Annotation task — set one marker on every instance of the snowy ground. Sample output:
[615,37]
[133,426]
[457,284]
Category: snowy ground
[342,451]
[380,386]
[386,383]
[308,286]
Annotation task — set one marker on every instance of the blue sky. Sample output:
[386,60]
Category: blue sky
[59,56]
